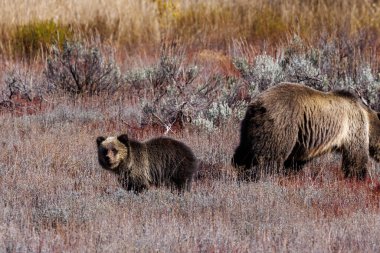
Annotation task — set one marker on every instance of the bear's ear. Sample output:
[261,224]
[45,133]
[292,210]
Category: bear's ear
[123,139]
[99,140]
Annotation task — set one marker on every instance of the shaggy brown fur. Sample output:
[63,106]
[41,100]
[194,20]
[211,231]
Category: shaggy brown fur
[289,124]
[160,161]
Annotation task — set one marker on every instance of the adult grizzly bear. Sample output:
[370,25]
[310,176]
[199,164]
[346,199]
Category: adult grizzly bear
[289,124]
[159,161]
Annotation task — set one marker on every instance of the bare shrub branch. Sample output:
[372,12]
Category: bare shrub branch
[78,69]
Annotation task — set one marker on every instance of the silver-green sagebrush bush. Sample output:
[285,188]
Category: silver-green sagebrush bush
[78,69]
[165,88]
[331,65]
[24,89]
[172,92]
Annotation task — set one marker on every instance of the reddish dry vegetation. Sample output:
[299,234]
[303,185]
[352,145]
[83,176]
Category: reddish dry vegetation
[19,105]
[55,196]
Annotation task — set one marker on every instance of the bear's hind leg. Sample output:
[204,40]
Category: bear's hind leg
[355,163]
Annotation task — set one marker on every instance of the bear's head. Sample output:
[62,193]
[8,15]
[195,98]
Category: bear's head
[112,151]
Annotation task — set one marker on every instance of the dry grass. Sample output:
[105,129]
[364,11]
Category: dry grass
[55,197]
[140,25]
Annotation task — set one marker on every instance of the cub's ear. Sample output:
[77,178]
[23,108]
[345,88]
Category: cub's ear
[99,140]
[123,139]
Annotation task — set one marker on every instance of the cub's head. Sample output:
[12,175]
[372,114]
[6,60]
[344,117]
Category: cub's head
[112,151]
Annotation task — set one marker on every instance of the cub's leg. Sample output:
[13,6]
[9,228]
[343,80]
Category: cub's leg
[129,185]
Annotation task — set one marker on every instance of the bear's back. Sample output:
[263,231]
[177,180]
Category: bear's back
[166,147]
[298,97]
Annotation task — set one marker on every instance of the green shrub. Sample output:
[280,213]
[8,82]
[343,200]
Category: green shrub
[33,37]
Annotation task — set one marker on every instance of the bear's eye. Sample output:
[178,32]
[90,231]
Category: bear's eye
[114,151]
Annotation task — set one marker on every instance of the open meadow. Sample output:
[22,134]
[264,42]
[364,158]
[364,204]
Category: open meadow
[71,71]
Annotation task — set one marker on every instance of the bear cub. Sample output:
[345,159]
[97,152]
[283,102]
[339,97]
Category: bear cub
[160,161]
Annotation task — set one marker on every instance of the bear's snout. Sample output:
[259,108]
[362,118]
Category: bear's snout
[107,159]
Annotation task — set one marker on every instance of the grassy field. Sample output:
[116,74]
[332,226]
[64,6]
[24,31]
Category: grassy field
[73,70]
[55,197]
[140,26]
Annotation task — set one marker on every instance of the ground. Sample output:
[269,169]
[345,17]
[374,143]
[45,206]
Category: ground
[55,196]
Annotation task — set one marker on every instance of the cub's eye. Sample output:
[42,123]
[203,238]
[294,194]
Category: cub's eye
[114,151]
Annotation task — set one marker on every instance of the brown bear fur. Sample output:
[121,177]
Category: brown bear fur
[289,124]
[159,161]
